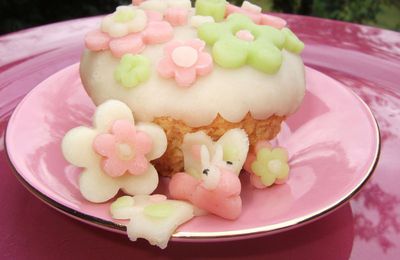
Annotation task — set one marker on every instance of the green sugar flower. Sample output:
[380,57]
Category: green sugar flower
[214,8]
[132,70]
[292,43]
[159,210]
[239,41]
[271,165]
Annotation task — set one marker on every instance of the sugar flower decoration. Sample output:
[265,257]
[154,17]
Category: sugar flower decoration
[162,5]
[229,50]
[254,12]
[184,61]
[132,70]
[125,20]
[152,217]
[268,166]
[176,16]
[155,31]
[123,149]
[115,153]
[239,41]
[213,8]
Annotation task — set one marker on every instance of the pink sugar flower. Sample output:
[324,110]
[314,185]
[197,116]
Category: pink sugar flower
[255,14]
[123,150]
[155,32]
[184,61]
[176,16]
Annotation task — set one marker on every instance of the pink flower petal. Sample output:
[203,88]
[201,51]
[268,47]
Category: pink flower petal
[157,32]
[273,21]
[171,46]
[123,130]
[131,43]
[153,15]
[104,144]
[176,16]
[230,9]
[97,40]
[143,143]
[204,64]
[196,44]
[165,68]
[185,76]
[114,167]
[139,165]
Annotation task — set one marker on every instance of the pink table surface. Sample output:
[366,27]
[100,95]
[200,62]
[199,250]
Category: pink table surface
[364,58]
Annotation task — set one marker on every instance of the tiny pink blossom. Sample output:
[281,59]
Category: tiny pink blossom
[176,16]
[184,61]
[156,32]
[245,35]
[124,149]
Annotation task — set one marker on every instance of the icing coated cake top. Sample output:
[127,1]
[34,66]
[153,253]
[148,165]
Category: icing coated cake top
[164,58]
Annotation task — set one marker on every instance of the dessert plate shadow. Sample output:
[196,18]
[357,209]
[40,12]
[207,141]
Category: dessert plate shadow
[333,142]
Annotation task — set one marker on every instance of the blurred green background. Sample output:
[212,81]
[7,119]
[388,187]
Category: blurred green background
[20,14]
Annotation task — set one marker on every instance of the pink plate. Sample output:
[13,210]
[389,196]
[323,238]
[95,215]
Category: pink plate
[333,142]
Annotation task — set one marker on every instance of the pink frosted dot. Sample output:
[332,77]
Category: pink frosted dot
[245,35]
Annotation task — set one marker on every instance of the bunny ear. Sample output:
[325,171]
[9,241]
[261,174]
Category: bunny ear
[235,145]
[205,156]
[218,155]
[191,149]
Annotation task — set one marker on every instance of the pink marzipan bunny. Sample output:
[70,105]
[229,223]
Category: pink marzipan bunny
[217,191]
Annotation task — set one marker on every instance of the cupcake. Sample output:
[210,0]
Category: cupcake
[211,68]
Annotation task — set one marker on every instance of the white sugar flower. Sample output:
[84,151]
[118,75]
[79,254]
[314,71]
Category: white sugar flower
[162,5]
[125,20]
[115,153]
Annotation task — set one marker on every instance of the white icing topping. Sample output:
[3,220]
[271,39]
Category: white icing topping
[230,92]
[184,56]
